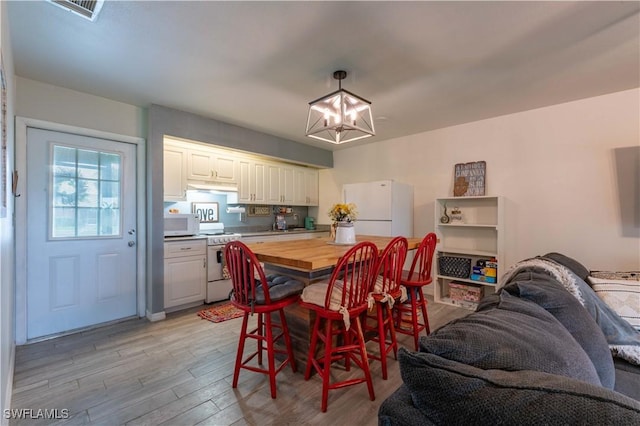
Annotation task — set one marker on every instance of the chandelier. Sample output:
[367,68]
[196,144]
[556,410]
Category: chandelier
[340,116]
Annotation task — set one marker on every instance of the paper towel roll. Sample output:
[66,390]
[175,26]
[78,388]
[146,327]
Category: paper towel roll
[235,209]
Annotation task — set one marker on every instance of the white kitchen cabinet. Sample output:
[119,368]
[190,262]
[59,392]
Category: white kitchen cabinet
[479,235]
[311,184]
[280,184]
[305,187]
[252,181]
[175,173]
[185,272]
[209,165]
[258,181]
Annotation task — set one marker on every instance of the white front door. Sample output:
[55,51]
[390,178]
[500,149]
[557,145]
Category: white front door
[81,231]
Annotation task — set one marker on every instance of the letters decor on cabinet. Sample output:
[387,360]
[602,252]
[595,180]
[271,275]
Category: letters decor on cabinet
[208,212]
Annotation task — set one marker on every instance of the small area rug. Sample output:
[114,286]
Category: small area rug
[222,312]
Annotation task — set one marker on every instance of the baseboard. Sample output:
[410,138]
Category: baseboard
[9,385]
[157,316]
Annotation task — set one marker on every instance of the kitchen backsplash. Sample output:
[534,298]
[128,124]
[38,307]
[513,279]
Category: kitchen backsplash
[237,221]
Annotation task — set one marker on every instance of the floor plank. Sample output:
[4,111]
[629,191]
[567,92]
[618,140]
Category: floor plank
[179,371]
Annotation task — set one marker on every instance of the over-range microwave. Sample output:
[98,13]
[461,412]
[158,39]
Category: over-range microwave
[177,225]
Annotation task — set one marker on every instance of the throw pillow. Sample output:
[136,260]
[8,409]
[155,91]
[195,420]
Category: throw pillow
[512,334]
[577,267]
[623,296]
[449,392]
[546,292]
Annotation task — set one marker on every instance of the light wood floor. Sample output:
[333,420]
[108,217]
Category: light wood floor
[179,372]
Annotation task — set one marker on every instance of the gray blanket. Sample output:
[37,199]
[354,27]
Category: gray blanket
[623,339]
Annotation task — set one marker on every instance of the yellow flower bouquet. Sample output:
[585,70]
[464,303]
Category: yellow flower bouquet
[343,212]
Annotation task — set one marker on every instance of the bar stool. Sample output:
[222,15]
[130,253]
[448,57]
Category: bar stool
[255,293]
[386,291]
[338,305]
[413,280]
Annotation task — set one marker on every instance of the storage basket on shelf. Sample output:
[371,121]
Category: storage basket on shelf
[452,266]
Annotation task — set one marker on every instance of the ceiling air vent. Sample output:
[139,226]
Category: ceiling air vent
[85,8]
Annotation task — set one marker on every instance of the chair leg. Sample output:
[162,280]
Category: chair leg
[260,332]
[239,354]
[382,337]
[326,367]
[365,359]
[270,354]
[392,332]
[312,348]
[423,307]
[287,341]
[414,316]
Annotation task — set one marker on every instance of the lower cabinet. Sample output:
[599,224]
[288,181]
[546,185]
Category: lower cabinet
[185,272]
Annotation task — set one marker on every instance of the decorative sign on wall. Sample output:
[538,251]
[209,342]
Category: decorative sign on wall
[469,179]
[208,212]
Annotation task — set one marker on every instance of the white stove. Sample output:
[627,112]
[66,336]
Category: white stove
[218,286]
[222,239]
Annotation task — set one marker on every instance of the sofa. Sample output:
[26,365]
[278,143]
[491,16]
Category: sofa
[544,349]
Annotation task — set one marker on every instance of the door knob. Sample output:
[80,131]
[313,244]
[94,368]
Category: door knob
[131,243]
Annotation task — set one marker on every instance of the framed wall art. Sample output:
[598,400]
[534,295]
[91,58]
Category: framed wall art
[208,212]
[469,179]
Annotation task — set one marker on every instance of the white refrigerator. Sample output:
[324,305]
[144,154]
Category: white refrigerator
[385,207]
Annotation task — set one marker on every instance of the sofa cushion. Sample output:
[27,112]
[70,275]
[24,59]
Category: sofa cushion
[449,392]
[548,293]
[627,378]
[398,410]
[509,333]
[578,268]
[623,339]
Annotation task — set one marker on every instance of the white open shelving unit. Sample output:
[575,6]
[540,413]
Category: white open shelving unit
[480,235]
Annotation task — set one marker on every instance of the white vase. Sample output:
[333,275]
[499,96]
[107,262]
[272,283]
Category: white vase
[345,233]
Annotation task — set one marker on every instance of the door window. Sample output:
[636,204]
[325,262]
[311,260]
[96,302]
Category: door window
[85,198]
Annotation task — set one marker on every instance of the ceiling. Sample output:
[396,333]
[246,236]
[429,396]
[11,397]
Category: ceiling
[424,65]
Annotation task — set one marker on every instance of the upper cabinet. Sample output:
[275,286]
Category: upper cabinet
[276,184]
[258,181]
[175,173]
[211,166]
[305,186]
[252,181]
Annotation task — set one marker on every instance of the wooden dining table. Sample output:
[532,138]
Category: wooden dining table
[314,258]
[309,261]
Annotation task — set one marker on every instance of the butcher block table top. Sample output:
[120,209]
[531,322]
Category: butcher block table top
[313,254]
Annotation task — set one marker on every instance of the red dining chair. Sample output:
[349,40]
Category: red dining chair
[386,290]
[418,276]
[338,305]
[255,293]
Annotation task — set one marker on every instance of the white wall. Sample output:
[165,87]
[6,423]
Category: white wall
[63,106]
[555,166]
